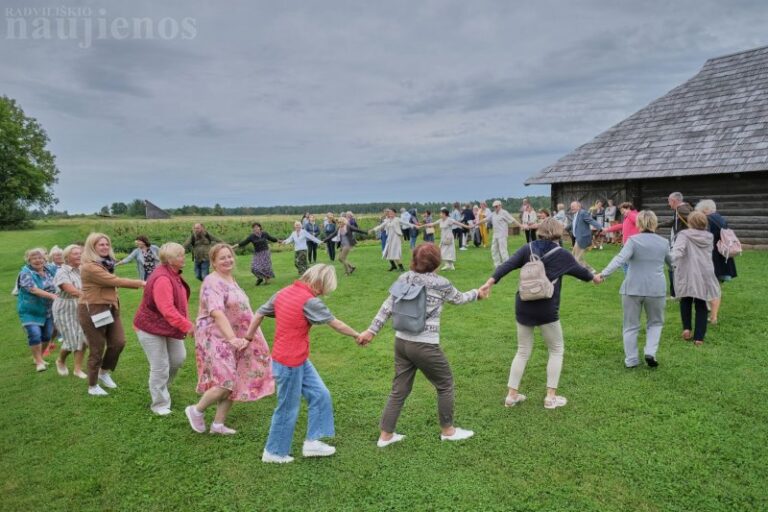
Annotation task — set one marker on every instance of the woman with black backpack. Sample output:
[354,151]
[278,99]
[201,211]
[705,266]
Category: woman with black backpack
[543,312]
[417,341]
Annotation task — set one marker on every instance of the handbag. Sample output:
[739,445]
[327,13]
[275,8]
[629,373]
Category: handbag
[101,319]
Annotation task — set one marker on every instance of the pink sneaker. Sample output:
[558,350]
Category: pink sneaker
[220,428]
[196,419]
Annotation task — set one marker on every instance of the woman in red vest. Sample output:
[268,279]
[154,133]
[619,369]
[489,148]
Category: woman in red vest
[161,324]
[295,309]
[229,367]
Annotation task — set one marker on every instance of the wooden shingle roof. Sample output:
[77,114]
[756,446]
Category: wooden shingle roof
[715,123]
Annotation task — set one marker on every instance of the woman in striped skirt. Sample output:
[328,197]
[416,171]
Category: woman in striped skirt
[261,265]
[69,285]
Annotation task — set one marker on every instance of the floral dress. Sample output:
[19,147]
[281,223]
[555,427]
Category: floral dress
[246,373]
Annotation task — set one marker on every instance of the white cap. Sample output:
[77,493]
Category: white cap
[497,203]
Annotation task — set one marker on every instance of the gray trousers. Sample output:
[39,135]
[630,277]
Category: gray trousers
[165,356]
[654,311]
[429,358]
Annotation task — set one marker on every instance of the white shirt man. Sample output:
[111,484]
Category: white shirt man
[500,219]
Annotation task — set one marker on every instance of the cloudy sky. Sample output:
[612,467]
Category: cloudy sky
[267,103]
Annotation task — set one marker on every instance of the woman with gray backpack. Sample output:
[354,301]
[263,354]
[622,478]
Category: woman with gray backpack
[542,262]
[415,302]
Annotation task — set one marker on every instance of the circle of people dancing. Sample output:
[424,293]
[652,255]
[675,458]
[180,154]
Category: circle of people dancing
[73,293]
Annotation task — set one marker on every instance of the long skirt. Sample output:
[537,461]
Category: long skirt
[447,247]
[261,265]
[68,324]
[393,250]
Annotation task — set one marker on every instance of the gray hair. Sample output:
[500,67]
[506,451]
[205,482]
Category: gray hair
[706,206]
[677,196]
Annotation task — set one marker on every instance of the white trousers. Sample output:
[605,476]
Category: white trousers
[165,356]
[553,337]
[499,250]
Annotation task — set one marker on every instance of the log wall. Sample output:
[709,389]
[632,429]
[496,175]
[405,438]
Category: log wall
[741,198]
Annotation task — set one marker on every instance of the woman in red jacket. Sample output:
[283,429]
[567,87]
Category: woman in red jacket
[161,324]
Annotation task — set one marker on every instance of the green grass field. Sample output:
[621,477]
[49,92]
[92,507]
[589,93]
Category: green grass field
[688,436]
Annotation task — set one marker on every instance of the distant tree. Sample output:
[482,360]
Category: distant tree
[104,210]
[137,208]
[27,169]
[119,208]
[218,210]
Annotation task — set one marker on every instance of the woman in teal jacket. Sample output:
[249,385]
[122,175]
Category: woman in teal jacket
[34,302]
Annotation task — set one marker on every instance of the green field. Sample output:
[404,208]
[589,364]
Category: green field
[688,436]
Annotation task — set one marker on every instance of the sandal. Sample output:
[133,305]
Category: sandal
[687,335]
[698,343]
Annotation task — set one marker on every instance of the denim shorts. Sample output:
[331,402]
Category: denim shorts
[37,334]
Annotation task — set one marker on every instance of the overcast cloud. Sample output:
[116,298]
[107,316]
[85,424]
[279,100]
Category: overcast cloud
[317,102]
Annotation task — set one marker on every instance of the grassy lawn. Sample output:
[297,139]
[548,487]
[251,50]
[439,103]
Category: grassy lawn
[690,435]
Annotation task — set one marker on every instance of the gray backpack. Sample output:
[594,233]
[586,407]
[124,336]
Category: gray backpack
[534,284]
[409,312]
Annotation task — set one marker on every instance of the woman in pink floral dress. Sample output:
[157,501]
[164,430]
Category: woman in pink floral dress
[229,368]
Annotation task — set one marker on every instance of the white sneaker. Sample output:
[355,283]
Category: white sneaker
[395,438]
[277,459]
[61,368]
[41,367]
[445,267]
[317,449]
[510,402]
[162,411]
[554,403]
[96,391]
[458,435]
[106,379]
[462,248]
[80,374]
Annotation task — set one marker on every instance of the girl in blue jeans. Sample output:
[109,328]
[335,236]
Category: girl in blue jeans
[295,309]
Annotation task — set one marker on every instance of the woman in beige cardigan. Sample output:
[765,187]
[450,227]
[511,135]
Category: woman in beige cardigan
[695,281]
[99,295]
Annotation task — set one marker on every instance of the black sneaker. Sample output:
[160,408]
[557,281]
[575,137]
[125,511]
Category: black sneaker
[651,361]
[259,280]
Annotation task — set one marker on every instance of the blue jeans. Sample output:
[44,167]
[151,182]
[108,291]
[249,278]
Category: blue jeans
[37,334]
[292,384]
[201,269]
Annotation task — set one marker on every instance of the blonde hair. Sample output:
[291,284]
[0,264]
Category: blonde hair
[36,250]
[550,229]
[697,220]
[89,249]
[54,251]
[216,249]
[296,224]
[321,278]
[68,249]
[706,206]
[647,221]
[170,250]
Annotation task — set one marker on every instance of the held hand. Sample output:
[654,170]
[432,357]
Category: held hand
[364,338]
[483,292]
[597,279]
